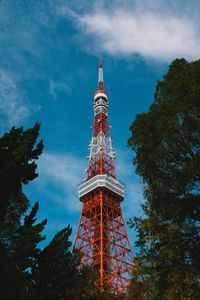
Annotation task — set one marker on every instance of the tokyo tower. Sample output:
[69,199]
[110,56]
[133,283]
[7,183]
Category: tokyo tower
[101,234]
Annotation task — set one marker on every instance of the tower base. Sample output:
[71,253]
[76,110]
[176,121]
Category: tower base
[103,240]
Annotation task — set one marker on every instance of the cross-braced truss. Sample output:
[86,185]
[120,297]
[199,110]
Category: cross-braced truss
[103,240]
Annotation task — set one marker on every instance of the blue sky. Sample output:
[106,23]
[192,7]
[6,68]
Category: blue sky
[49,54]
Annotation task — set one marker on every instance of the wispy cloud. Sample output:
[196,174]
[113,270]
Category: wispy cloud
[56,87]
[14,107]
[133,200]
[123,163]
[65,168]
[60,175]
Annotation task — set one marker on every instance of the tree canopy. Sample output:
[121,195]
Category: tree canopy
[166,141]
[18,153]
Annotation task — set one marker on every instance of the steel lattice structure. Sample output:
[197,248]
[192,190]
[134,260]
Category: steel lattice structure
[101,234]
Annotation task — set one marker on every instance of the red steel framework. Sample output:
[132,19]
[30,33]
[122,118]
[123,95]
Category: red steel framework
[101,234]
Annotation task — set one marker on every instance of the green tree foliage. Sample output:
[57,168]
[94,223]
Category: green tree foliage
[26,250]
[13,286]
[54,274]
[21,255]
[17,162]
[166,141]
[9,226]
[18,240]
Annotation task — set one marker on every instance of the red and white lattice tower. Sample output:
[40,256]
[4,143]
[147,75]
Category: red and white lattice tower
[101,235]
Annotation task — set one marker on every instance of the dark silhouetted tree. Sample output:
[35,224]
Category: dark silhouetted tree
[166,141]
[26,252]
[18,153]
[18,241]
[9,226]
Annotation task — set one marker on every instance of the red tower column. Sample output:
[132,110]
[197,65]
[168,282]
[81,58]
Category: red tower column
[101,235]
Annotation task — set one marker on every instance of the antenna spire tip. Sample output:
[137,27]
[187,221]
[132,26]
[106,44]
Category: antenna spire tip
[100,64]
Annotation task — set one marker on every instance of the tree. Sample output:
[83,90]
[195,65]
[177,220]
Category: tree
[57,276]
[21,252]
[18,241]
[166,141]
[12,283]
[26,252]
[17,165]
[55,271]
[9,226]
[18,153]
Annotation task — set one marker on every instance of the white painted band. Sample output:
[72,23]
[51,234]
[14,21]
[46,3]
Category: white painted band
[100,95]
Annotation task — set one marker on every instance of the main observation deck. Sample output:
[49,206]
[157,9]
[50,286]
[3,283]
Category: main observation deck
[103,181]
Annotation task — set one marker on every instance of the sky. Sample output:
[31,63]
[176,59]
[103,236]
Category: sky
[49,56]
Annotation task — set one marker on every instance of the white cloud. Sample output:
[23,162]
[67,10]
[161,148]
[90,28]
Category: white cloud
[123,163]
[131,206]
[14,107]
[59,178]
[63,168]
[12,103]
[56,87]
[146,33]
[162,30]
[134,195]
